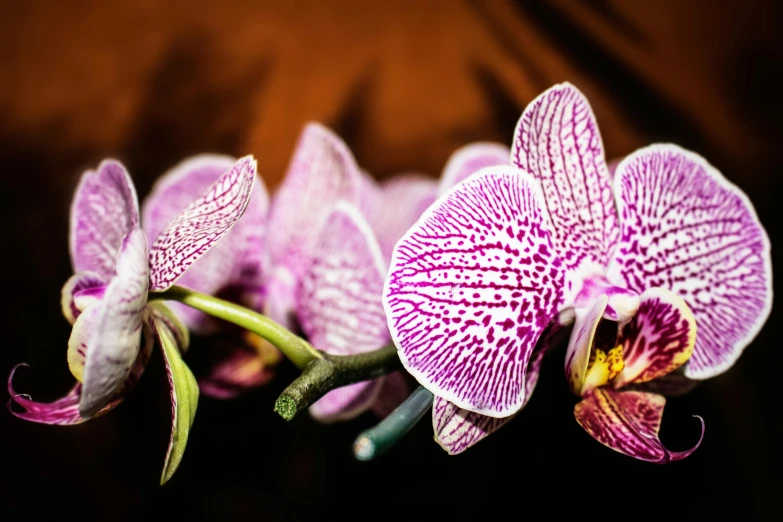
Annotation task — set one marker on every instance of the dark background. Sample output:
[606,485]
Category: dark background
[404,83]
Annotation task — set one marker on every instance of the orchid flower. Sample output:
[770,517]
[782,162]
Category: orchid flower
[504,260]
[232,268]
[107,299]
[316,282]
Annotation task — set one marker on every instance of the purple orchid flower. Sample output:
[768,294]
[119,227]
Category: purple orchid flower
[233,269]
[324,203]
[496,267]
[106,300]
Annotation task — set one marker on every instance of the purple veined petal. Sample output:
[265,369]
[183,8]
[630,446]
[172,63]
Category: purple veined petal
[65,411]
[201,225]
[104,209]
[469,159]
[345,403]
[403,199]
[322,172]
[686,228]
[622,303]
[456,429]
[471,287]
[581,343]
[557,141]
[339,299]
[83,329]
[658,339]
[280,300]
[628,422]
[235,260]
[78,283]
[370,196]
[184,399]
[114,345]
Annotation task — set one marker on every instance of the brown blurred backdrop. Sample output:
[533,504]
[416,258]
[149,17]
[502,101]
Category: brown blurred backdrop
[404,83]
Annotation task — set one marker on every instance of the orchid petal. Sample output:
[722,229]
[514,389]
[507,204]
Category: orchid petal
[184,399]
[322,171]
[469,159]
[202,224]
[622,303]
[339,300]
[114,345]
[83,329]
[63,411]
[628,422]
[581,343]
[457,429]
[674,384]
[688,229]
[104,209]
[347,402]
[471,288]
[234,261]
[393,393]
[557,141]
[403,200]
[658,339]
[78,283]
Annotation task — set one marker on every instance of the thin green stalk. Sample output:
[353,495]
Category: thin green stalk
[380,438]
[299,351]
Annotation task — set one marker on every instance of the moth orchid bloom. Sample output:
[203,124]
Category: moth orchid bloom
[107,299]
[511,255]
[232,268]
[326,198]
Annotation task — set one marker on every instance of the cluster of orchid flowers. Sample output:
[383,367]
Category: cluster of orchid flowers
[657,266]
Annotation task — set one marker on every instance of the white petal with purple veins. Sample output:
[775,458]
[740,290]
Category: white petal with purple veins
[104,209]
[558,142]
[322,172]
[471,287]
[235,261]
[339,298]
[76,284]
[686,228]
[113,347]
[204,222]
[457,430]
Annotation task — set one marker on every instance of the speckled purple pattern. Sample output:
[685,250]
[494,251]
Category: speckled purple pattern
[103,210]
[205,221]
[457,429]
[628,422]
[339,303]
[234,261]
[658,339]
[687,229]
[114,345]
[557,141]
[471,288]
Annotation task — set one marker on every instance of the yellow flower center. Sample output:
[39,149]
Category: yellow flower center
[603,367]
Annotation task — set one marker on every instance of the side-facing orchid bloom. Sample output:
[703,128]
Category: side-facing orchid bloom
[107,299]
[516,252]
[326,198]
[233,268]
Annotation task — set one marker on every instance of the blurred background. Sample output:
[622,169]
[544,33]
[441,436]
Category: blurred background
[404,83]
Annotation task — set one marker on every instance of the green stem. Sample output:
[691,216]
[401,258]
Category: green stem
[299,351]
[332,371]
[378,439]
